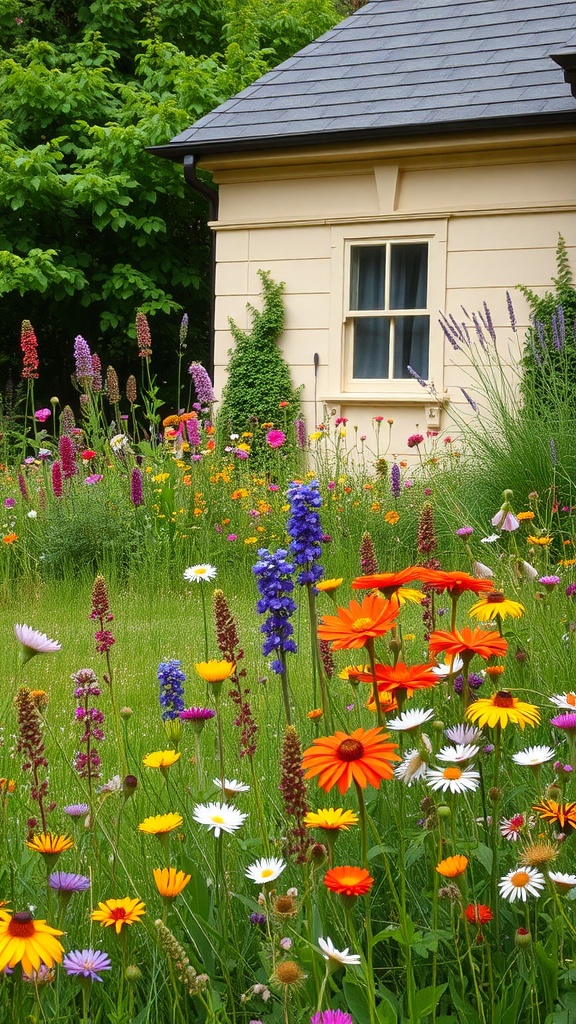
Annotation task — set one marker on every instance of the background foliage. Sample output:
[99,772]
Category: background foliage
[92,227]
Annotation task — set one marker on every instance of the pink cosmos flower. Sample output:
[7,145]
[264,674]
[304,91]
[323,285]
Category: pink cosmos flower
[275,438]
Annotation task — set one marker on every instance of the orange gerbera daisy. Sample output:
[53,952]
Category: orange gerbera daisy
[363,757]
[455,582]
[359,624]
[348,881]
[467,642]
[388,582]
[401,677]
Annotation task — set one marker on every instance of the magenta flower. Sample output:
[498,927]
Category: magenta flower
[66,449]
[94,478]
[42,415]
[331,1017]
[414,440]
[275,438]
[196,714]
[136,490]
[549,581]
[56,474]
[566,722]
[9,503]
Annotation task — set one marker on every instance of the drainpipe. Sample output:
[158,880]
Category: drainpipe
[211,195]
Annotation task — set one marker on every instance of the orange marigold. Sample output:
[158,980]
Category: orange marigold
[348,881]
[467,642]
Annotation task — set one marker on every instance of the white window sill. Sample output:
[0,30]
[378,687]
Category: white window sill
[388,395]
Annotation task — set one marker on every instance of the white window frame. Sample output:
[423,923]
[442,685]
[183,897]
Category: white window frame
[341,385]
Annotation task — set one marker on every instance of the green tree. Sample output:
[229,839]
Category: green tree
[92,227]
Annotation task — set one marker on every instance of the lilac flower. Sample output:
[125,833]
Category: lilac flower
[256,918]
[273,573]
[67,882]
[77,810]
[464,531]
[171,678]
[183,328]
[136,491]
[202,384]
[474,682]
[193,432]
[305,530]
[86,963]
[417,377]
[395,484]
[571,590]
[83,361]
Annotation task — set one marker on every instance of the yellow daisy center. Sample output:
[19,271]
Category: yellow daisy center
[452,773]
[520,879]
[217,819]
[267,872]
[359,625]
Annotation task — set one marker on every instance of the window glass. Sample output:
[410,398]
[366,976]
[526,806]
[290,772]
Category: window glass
[368,277]
[409,276]
[371,347]
[411,335]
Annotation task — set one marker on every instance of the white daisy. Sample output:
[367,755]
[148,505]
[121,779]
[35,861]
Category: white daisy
[411,719]
[461,752]
[456,780]
[329,952]
[463,734]
[532,757]
[231,786]
[562,881]
[449,668]
[200,573]
[34,642]
[265,870]
[520,883]
[412,767]
[566,701]
[220,817]
[510,827]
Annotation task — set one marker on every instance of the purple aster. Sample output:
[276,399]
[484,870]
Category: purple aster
[9,503]
[257,918]
[171,678]
[571,590]
[305,530]
[66,881]
[331,1017]
[87,963]
[566,722]
[77,810]
[549,581]
[464,531]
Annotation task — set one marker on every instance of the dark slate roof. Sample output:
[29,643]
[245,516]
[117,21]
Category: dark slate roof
[399,67]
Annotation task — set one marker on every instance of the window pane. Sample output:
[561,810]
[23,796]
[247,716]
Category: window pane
[367,277]
[408,276]
[371,347]
[411,335]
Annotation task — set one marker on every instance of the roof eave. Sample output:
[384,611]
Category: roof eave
[176,151]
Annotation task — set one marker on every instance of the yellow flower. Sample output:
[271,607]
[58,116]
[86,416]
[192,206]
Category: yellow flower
[392,518]
[451,867]
[50,845]
[118,912]
[215,671]
[327,586]
[159,824]
[250,540]
[316,713]
[161,759]
[170,882]
[500,709]
[316,435]
[331,819]
[353,671]
[493,604]
[29,942]
[540,541]
[524,516]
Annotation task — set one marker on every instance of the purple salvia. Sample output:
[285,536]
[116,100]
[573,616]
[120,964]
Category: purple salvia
[57,479]
[136,489]
[183,328]
[417,377]
[193,432]
[23,488]
[395,485]
[511,312]
[300,430]
[553,455]
[96,373]
[202,384]
[66,449]
[489,323]
[462,328]
[83,360]
[469,400]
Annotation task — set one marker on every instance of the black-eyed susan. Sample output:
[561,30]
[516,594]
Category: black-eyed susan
[331,819]
[29,942]
[117,913]
[170,882]
[495,605]
[160,824]
[364,757]
[501,709]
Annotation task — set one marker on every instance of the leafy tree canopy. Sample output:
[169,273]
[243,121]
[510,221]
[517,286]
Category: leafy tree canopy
[92,227]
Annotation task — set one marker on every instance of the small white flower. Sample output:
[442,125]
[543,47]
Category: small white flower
[461,752]
[449,668]
[32,513]
[491,539]
[119,443]
[412,768]
[566,701]
[456,780]
[231,786]
[562,881]
[265,870]
[521,883]
[411,719]
[219,817]
[531,757]
[199,573]
[114,785]
[463,734]
[329,952]
[234,437]
[285,943]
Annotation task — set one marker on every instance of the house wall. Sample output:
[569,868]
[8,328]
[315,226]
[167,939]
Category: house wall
[491,207]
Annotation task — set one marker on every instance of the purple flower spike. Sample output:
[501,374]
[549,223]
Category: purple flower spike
[202,384]
[83,360]
[87,963]
[395,484]
[65,881]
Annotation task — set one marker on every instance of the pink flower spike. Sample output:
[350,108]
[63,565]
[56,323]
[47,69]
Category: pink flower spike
[34,642]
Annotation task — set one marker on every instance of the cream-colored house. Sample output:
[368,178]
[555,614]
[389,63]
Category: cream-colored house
[419,157]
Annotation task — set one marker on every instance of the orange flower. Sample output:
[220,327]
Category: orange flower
[363,757]
[316,713]
[358,623]
[561,815]
[10,538]
[388,582]
[348,881]
[451,867]
[468,642]
[401,677]
[454,582]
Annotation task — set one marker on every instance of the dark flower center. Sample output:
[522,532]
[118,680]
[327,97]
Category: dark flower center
[495,597]
[118,914]
[21,926]
[350,750]
[503,699]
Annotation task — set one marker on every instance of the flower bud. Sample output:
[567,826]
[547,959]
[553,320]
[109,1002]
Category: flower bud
[495,794]
[523,937]
[553,792]
[318,854]
[132,974]
[125,713]
[129,785]
[443,811]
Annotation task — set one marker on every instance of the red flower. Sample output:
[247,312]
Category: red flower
[478,913]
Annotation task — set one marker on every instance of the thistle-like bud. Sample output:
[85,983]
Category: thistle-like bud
[132,389]
[112,385]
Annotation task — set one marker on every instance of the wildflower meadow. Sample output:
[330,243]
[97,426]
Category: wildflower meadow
[288,722]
